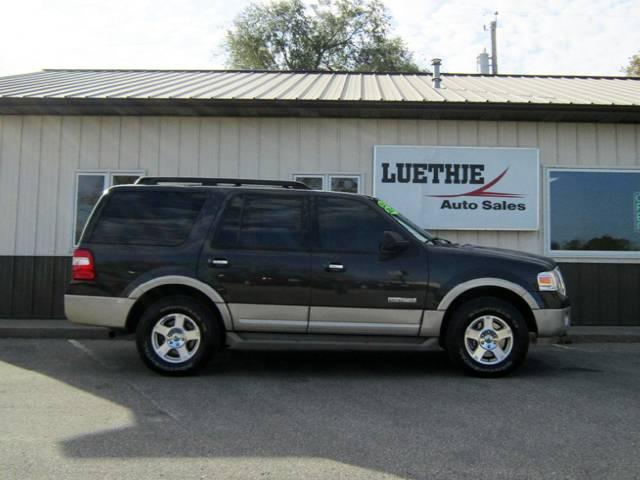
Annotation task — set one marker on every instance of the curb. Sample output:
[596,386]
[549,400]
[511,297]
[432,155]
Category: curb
[29,328]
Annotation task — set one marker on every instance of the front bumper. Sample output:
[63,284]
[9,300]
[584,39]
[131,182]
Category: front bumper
[552,322]
[100,311]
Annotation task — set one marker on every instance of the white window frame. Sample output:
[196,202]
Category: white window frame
[580,254]
[107,181]
[326,178]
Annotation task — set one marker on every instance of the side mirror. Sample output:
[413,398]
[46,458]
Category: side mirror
[392,242]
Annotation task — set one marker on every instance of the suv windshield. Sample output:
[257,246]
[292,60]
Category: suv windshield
[419,233]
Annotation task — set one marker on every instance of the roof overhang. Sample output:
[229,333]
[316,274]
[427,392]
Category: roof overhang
[319,108]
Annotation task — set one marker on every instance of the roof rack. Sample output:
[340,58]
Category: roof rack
[213,182]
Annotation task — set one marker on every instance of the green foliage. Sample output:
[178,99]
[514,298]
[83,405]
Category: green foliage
[328,35]
[633,69]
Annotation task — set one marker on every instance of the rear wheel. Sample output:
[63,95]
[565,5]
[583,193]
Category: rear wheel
[177,335]
[487,337]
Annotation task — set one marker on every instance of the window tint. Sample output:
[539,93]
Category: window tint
[349,226]
[89,189]
[594,210]
[148,218]
[263,222]
[229,227]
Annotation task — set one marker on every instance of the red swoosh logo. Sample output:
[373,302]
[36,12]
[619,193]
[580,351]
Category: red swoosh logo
[484,190]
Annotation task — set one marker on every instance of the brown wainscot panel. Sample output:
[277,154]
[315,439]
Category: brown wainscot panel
[33,287]
[603,293]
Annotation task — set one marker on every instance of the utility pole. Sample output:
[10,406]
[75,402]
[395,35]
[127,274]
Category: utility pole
[494,47]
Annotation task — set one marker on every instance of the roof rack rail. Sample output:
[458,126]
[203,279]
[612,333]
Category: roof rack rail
[234,182]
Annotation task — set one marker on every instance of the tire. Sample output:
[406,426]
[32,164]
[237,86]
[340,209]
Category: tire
[177,335]
[487,337]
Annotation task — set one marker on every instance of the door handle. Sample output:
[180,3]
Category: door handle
[334,267]
[218,262]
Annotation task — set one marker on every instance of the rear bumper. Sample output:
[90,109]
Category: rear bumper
[552,322]
[109,312]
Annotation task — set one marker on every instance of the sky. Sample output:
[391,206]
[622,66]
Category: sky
[577,37]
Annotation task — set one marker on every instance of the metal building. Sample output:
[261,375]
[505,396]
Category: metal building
[65,135]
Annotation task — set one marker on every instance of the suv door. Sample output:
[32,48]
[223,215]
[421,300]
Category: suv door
[355,287]
[258,260]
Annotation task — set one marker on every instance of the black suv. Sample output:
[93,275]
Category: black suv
[194,265]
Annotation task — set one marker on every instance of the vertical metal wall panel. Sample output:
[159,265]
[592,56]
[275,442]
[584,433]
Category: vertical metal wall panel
[28,182]
[10,138]
[606,144]
[229,147]
[269,158]
[129,147]
[33,286]
[310,157]
[249,129]
[209,148]
[7,285]
[626,143]
[586,144]
[63,214]
[567,142]
[23,286]
[169,146]
[42,294]
[49,188]
[188,155]
[110,141]
[150,145]
[330,137]
[90,143]
[290,153]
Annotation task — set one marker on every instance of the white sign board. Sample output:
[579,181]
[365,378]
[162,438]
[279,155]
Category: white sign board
[460,188]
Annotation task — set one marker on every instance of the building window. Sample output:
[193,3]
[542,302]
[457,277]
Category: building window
[593,212]
[314,182]
[89,188]
[330,182]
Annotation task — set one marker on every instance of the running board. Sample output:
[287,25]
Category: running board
[304,341]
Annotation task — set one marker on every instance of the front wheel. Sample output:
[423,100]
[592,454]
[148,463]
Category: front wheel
[487,337]
[177,335]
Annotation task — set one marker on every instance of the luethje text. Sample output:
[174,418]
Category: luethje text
[447,173]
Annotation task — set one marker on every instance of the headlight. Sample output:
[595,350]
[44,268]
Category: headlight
[551,282]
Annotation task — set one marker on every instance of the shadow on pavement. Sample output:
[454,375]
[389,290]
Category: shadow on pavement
[396,413]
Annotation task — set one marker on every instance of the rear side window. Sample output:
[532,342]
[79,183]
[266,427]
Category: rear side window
[263,222]
[148,218]
[346,225]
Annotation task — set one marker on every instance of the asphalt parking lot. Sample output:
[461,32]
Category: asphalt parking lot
[88,408]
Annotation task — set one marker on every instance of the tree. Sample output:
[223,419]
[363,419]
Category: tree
[633,69]
[327,35]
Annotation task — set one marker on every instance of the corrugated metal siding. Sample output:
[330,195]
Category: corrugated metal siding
[603,294]
[291,86]
[33,287]
[39,156]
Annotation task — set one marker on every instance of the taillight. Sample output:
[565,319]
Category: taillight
[82,266]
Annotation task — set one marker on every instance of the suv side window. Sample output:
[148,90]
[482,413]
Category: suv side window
[263,222]
[346,225]
[148,217]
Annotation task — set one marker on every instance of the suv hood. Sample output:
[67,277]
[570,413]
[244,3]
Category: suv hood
[545,263]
